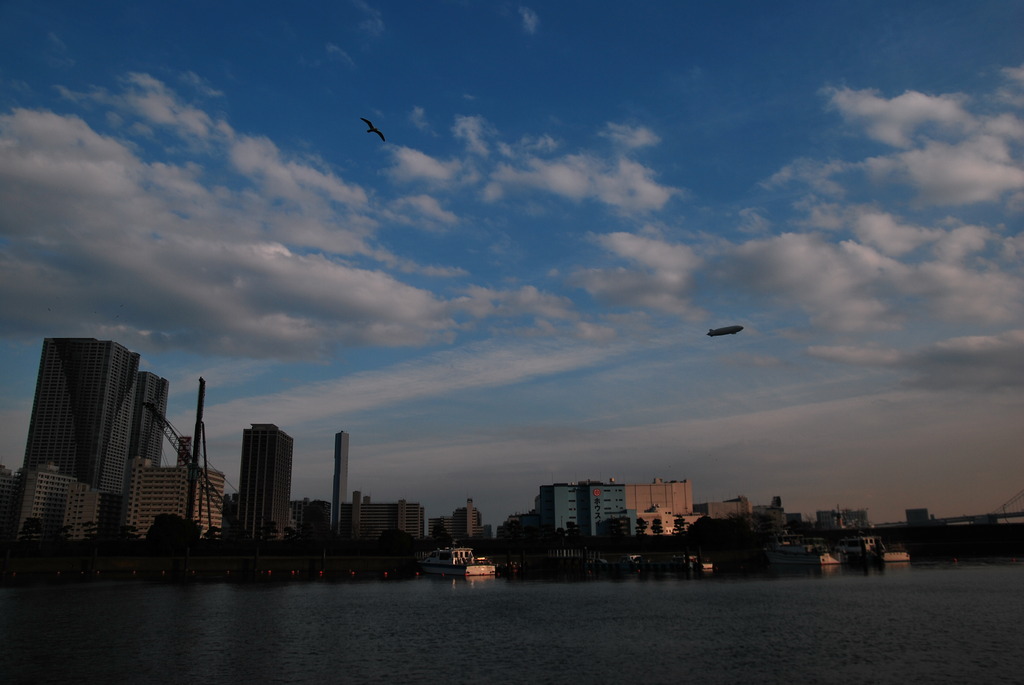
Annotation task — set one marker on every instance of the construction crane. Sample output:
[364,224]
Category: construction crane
[189,450]
[182,444]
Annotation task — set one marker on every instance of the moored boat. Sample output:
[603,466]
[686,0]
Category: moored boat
[866,549]
[456,561]
[789,549]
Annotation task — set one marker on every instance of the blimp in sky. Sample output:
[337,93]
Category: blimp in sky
[728,330]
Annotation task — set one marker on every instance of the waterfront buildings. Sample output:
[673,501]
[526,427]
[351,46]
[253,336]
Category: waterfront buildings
[265,480]
[737,506]
[90,513]
[82,413]
[311,518]
[464,523]
[9,503]
[43,498]
[596,508]
[155,490]
[340,481]
[363,519]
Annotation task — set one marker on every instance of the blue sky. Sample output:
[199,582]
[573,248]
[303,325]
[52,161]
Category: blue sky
[514,288]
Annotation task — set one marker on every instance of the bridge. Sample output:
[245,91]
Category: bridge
[1012,509]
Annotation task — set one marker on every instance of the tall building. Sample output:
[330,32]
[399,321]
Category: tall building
[82,414]
[265,479]
[340,477]
[147,437]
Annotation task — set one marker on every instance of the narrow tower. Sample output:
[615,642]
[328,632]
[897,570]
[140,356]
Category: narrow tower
[340,477]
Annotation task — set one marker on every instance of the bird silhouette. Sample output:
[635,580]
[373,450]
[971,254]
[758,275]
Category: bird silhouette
[373,129]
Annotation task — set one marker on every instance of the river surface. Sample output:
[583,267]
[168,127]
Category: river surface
[911,623]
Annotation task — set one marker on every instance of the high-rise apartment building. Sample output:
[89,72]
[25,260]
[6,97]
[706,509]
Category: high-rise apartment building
[155,490]
[82,414]
[465,522]
[363,519]
[147,437]
[44,498]
[265,479]
[340,477]
[91,513]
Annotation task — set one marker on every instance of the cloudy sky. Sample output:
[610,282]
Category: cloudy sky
[514,288]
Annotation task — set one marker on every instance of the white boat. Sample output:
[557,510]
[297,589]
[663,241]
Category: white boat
[789,549]
[456,561]
[862,549]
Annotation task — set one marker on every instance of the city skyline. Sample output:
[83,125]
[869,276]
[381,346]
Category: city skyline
[513,284]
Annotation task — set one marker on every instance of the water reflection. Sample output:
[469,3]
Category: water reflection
[917,623]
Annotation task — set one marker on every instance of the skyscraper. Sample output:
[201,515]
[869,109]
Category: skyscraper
[82,414]
[265,479]
[147,437]
[340,477]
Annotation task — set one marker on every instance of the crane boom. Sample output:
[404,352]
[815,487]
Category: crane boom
[189,450]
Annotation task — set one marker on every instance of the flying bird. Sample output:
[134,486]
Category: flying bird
[373,129]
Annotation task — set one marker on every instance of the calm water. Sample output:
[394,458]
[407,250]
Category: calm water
[921,624]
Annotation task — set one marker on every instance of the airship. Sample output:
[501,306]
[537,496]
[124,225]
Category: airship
[728,330]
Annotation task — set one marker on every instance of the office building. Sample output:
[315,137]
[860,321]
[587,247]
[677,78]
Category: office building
[596,508]
[340,477]
[265,481]
[82,413]
[363,519]
[587,507]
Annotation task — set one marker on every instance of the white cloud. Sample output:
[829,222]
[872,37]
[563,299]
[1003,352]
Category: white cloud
[526,301]
[260,159]
[473,131]
[980,169]
[531,21]
[839,286]
[630,136]
[894,121]
[418,118]
[980,362]
[893,238]
[426,207]
[339,55]
[373,22]
[625,184]
[413,165]
[662,277]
